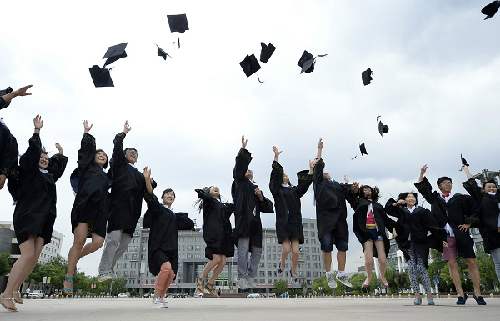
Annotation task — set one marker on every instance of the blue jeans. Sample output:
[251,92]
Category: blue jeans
[495,254]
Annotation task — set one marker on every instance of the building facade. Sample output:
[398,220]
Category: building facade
[53,249]
[133,265]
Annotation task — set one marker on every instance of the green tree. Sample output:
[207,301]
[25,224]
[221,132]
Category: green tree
[280,287]
[4,264]
[320,286]
[489,280]
[357,280]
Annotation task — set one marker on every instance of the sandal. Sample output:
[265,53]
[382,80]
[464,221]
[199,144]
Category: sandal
[17,297]
[210,289]
[366,284]
[68,291]
[10,308]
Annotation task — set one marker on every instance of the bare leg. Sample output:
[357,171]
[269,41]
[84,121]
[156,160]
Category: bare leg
[295,256]
[368,253]
[285,250]
[208,267]
[382,261]
[218,269]
[474,275]
[97,243]
[455,276]
[38,250]
[341,258]
[79,238]
[327,261]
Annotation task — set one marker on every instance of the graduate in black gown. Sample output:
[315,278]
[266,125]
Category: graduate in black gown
[370,223]
[287,204]
[127,192]
[487,201]
[413,224]
[249,202]
[163,225]
[217,234]
[35,212]
[8,143]
[331,215]
[455,213]
[90,208]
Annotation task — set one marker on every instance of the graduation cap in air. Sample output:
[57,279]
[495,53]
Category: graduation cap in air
[114,53]
[382,128]
[266,52]
[307,61]
[464,162]
[250,65]
[362,149]
[162,53]
[178,23]
[367,76]
[491,9]
[101,77]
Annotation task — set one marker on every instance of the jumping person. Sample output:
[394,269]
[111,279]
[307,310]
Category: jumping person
[217,234]
[331,215]
[35,213]
[163,249]
[287,197]
[127,192]
[249,202]
[413,225]
[369,225]
[488,205]
[454,213]
[90,207]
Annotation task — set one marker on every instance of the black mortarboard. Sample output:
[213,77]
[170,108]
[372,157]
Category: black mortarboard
[491,9]
[115,52]
[464,161]
[362,149]
[178,23]
[266,52]
[367,76]
[442,179]
[250,65]
[306,62]
[382,129]
[101,77]
[162,53]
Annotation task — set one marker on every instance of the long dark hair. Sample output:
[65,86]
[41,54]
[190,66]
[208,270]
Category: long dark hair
[199,201]
[375,192]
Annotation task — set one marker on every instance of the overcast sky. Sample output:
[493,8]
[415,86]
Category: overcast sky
[435,83]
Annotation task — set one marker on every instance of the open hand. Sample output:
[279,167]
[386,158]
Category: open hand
[59,148]
[147,172]
[38,122]
[87,126]
[126,128]
[23,91]
[464,227]
[244,142]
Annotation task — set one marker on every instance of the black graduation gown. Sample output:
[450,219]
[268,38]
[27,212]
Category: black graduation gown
[3,104]
[359,223]
[413,230]
[217,230]
[459,210]
[35,193]
[330,197]
[91,203]
[287,203]
[488,211]
[163,225]
[247,205]
[127,191]
[8,151]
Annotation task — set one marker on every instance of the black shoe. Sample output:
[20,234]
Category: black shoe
[462,299]
[479,300]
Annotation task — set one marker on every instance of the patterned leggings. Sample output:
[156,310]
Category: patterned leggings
[417,269]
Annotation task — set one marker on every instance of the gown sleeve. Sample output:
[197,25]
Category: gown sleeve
[118,158]
[8,151]
[425,188]
[184,222]
[243,159]
[86,153]
[154,207]
[473,189]
[276,178]
[29,160]
[431,224]
[57,165]
[304,181]
[265,206]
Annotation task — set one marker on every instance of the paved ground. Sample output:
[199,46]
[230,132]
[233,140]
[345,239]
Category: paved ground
[371,309]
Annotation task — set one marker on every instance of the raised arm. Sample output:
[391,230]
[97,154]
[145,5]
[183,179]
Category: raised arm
[9,94]
[206,197]
[57,163]
[29,160]
[118,155]
[393,207]
[86,153]
[184,222]
[424,187]
[305,179]
[243,159]
[276,178]
[8,154]
[263,204]
[320,149]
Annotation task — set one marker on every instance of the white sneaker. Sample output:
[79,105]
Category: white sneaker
[242,283]
[343,278]
[160,303]
[330,278]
